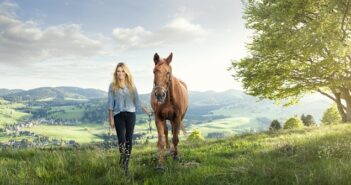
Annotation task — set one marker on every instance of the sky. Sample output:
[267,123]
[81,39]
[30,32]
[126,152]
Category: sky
[49,43]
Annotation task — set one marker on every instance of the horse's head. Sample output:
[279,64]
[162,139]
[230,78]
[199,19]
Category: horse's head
[162,77]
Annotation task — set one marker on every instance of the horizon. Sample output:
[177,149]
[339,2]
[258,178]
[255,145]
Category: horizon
[306,98]
[106,91]
[53,44]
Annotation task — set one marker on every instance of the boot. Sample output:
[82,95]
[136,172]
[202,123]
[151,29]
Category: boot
[127,157]
[122,151]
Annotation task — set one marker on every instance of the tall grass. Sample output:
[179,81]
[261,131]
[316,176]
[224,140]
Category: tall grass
[319,155]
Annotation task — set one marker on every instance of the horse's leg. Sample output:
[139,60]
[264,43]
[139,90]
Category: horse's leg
[166,135]
[175,139]
[161,141]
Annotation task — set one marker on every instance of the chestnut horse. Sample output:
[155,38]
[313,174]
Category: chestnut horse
[169,100]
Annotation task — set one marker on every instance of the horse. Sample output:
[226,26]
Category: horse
[169,101]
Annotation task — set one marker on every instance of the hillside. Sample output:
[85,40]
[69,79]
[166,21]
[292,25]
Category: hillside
[52,93]
[203,106]
[4,92]
[235,103]
[9,113]
[213,113]
[318,155]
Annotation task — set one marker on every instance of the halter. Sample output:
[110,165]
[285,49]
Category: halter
[169,84]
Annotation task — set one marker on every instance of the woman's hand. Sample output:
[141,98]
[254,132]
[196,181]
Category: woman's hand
[112,122]
[147,112]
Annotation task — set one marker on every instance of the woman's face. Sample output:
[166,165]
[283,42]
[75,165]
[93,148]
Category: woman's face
[121,75]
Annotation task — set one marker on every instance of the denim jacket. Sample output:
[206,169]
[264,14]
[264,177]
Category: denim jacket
[122,101]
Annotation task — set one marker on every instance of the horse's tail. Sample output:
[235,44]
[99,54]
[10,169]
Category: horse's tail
[182,127]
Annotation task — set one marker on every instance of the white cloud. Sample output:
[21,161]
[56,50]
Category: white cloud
[24,42]
[132,37]
[179,30]
[8,8]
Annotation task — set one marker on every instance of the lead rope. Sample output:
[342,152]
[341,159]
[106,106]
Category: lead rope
[150,128]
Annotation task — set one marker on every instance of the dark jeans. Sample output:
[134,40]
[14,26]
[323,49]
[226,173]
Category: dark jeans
[124,124]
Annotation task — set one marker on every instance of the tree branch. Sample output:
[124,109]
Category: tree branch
[331,97]
[326,94]
[343,20]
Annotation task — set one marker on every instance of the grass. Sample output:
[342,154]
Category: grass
[9,114]
[82,133]
[70,113]
[229,126]
[318,155]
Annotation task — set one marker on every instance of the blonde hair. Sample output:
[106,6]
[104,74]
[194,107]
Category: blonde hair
[128,80]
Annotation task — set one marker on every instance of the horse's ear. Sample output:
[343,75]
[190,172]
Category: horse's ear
[156,58]
[169,58]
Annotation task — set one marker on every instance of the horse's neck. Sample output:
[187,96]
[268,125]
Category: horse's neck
[171,94]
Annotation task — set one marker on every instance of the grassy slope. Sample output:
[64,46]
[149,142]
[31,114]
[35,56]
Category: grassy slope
[82,133]
[232,125]
[310,156]
[71,113]
[8,114]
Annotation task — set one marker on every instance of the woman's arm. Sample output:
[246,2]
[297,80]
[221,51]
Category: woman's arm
[147,112]
[110,104]
[112,122]
[138,103]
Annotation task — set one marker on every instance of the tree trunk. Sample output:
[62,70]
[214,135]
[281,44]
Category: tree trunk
[347,97]
[340,106]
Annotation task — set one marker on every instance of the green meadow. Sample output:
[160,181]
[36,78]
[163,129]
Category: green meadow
[228,126]
[315,155]
[9,114]
[83,133]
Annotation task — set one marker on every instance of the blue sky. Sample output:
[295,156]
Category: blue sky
[79,42]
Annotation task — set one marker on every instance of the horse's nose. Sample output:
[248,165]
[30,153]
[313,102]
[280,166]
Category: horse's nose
[160,95]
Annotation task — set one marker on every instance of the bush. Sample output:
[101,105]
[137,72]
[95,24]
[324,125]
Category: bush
[195,136]
[331,116]
[294,122]
[275,125]
[308,120]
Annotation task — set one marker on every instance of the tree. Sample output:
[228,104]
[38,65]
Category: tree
[275,125]
[298,47]
[331,116]
[308,120]
[294,122]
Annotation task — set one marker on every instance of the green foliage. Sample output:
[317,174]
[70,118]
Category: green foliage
[298,47]
[292,123]
[275,125]
[308,120]
[195,136]
[331,116]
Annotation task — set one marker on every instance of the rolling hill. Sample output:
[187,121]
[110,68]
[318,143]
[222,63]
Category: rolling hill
[208,110]
[53,93]
[4,92]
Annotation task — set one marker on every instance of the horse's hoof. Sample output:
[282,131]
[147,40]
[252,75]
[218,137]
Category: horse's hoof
[175,158]
[126,173]
[160,168]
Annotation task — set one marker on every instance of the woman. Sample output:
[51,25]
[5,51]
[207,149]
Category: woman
[123,101]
